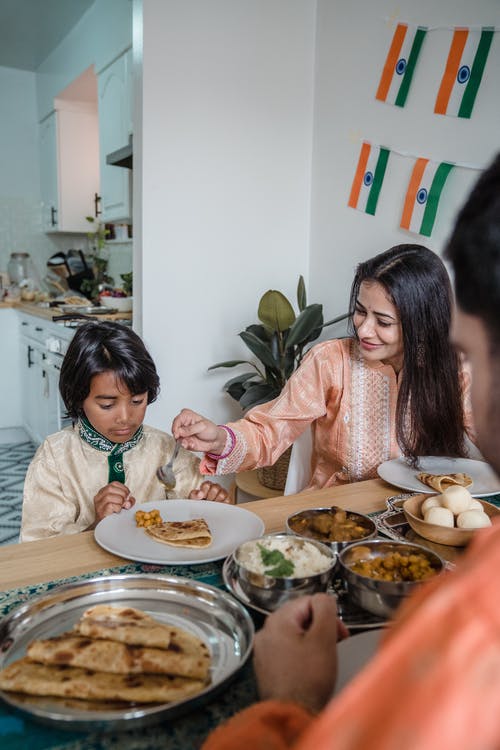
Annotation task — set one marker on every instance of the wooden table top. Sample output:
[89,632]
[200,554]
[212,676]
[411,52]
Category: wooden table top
[74,554]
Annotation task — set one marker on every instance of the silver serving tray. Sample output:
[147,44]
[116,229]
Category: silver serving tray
[207,612]
[87,309]
[353,617]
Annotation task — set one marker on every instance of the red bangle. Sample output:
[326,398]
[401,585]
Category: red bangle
[231,434]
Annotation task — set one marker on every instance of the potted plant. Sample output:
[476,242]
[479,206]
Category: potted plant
[279,342]
[100,259]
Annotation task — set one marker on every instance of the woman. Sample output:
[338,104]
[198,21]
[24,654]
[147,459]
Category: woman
[108,458]
[394,388]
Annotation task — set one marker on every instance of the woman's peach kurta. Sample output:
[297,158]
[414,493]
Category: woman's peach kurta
[350,404]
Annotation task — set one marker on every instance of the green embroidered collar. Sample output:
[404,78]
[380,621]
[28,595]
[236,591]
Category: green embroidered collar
[116,468]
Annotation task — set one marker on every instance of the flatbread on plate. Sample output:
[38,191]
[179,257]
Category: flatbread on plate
[440,482]
[192,533]
[26,676]
[120,658]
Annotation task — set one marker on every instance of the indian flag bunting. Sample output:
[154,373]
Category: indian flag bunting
[423,194]
[369,177]
[400,64]
[464,69]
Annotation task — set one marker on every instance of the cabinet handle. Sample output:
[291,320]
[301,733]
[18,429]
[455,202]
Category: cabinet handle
[53,216]
[97,201]
[37,328]
[24,323]
[30,361]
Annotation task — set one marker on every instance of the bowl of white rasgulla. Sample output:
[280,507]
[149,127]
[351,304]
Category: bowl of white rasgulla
[451,518]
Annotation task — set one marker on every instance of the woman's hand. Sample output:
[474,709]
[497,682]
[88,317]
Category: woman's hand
[295,653]
[112,498]
[210,491]
[197,433]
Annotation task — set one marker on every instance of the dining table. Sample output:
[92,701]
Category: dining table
[32,569]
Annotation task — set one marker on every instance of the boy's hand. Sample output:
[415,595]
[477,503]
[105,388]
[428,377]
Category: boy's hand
[211,491]
[112,498]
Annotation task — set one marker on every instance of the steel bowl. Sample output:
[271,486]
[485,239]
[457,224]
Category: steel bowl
[380,597]
[271,592]
[336,545]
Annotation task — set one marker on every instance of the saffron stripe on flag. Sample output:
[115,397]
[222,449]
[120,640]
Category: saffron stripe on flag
[411,193]
[431,207]
[400,64]
[367,182]
[463,72]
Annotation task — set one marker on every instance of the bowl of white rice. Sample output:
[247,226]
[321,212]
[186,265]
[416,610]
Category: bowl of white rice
[279,567]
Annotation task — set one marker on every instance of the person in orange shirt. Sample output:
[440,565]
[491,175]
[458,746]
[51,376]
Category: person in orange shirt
[435,681]
[395,388]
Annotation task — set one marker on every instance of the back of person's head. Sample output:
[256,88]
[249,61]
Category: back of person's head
[105,347]
[429,418]
[474,251]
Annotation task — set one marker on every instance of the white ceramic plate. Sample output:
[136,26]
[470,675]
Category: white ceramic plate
[353,654]
[484,480]
[230,526]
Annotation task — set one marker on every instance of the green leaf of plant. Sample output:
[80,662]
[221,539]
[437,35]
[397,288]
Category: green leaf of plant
[230,363]
[259,348]
[301,294]
[336,320]
[243,378]
[261,332]
[236,391]
[257,394]
[275,311]
[306,326]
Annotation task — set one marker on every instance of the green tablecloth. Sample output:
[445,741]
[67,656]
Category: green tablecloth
[17,732]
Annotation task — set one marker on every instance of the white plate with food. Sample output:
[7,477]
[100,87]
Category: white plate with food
[228,526]
[133,614]
[399,473]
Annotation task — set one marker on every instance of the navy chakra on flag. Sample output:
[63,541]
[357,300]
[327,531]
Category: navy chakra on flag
[422,195]
[463,74]
[401,66]
[368,179]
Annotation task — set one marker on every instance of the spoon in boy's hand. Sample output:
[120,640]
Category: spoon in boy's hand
[165,473]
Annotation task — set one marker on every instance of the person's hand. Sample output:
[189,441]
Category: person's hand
[112,498]
[197,433]
[295,653]
[210,491]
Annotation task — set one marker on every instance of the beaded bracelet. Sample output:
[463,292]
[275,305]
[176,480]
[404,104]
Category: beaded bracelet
[231,434]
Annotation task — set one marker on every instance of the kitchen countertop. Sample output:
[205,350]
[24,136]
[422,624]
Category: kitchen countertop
[31,308]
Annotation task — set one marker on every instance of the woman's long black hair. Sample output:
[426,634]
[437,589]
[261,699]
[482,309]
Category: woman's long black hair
[103,347]
[429,414]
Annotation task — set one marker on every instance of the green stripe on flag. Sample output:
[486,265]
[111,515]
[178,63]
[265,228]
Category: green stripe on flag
[410,67]
[431,207]
[476,73]
[378,178]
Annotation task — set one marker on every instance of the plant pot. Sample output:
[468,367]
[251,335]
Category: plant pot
[274,476]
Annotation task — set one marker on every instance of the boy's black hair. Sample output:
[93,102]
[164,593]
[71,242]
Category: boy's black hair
[103,347]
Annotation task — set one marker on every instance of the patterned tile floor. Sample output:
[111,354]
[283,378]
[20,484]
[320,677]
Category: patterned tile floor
[14,460]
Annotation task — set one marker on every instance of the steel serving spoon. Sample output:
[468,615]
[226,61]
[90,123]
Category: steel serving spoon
[165,473]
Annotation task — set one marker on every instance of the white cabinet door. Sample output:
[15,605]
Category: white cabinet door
[69,167]
[115,127]
[10,411]
[33,389]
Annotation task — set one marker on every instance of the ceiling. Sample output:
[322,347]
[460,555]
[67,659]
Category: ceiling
[31,29]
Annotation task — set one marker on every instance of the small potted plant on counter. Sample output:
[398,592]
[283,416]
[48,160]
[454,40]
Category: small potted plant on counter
[279,342]
[119,297]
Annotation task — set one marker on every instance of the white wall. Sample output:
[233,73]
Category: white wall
[352,43]
[226,139]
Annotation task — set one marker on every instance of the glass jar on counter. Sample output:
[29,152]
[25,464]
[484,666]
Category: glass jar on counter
[19,267]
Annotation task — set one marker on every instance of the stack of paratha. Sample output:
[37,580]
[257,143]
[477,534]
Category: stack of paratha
[113,654]
[440,482]
[193,533]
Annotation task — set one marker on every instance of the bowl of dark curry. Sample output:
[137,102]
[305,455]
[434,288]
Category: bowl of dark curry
[379,574]
[335,527]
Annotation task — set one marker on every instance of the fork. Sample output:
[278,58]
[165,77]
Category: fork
[165,473]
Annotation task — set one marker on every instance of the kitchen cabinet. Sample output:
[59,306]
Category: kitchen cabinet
[114,85]
[69,166]
[10,413]
[41,353]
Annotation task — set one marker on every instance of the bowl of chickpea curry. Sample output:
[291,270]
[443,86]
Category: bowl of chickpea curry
[380,574]
[335,527]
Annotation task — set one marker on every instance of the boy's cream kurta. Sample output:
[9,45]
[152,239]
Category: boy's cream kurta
[66,473]
[350,404]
